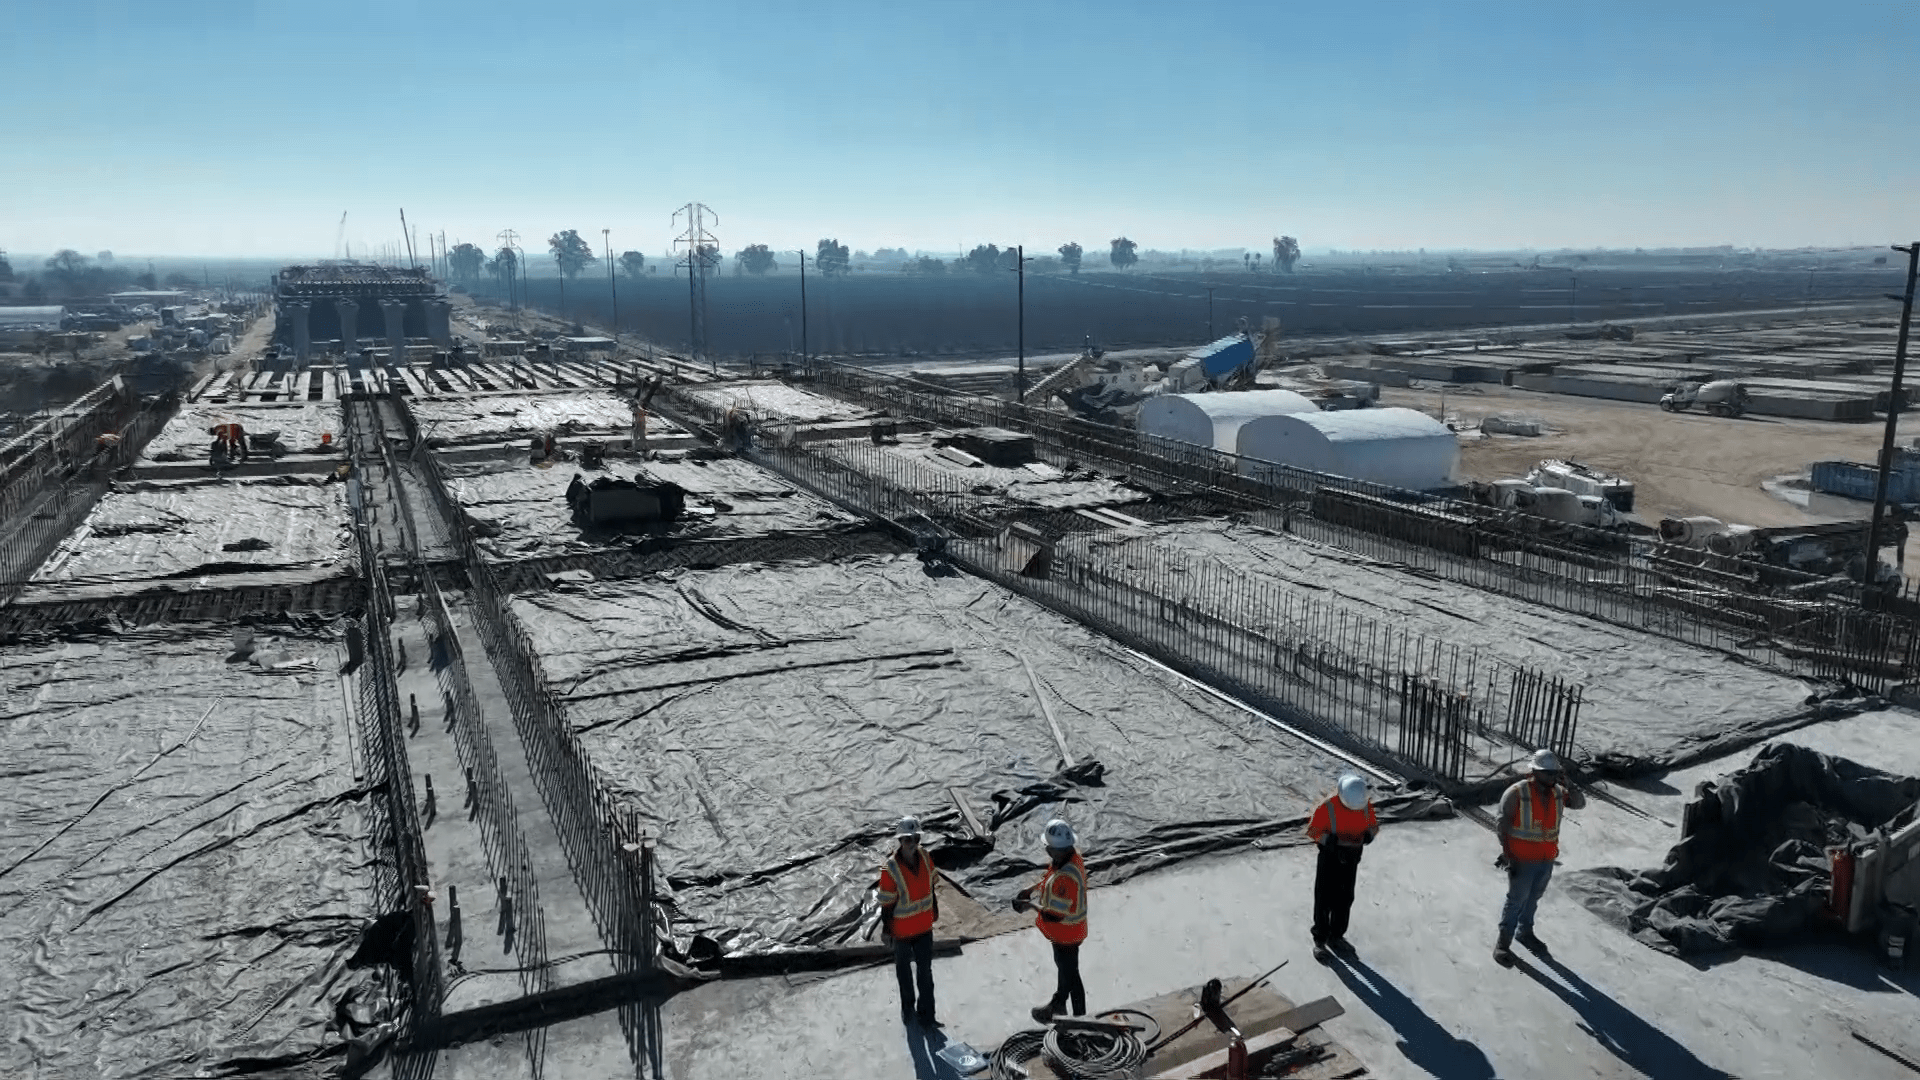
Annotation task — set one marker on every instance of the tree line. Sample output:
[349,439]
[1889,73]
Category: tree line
[572,254]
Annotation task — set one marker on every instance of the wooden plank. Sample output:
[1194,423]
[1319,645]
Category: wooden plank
[201,386]
[1215,1064]
[1066,759]
[967,814]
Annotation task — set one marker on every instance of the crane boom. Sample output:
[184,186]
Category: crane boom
[340,235]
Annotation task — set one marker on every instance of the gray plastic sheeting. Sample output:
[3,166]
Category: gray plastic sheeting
[1754,870]
[182,867]
[185,437]
[520,510]
[1649,699]
[774,722]
[182,528]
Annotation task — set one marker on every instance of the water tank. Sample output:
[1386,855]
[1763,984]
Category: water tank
[1215,419]
[1396,447]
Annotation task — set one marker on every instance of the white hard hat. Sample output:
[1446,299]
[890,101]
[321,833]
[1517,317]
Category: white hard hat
[907,826]
[1059,834]
[1353,791]
[1545,761]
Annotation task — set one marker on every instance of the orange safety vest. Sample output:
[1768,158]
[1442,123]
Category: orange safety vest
[912,912]
[1333,817]
[231,433]
[1534,833]
[1063,893]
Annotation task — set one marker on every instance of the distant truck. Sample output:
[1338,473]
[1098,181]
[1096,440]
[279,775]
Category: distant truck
[1722,397]
[1555,504]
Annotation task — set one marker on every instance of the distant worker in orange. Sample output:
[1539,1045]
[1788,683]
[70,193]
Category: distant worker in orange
[908,910]
[230,440]
[1342,826]
[1529,828]
[1061,915]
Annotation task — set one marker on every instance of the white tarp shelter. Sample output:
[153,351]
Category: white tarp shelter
[1397,447]
[1215,419]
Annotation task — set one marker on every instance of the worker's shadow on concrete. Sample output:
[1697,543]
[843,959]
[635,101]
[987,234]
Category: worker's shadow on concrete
[924,1044]
[640,1023]
[1638,1044]
[1424,1042]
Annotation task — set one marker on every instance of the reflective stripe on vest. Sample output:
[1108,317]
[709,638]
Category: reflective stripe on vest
[1535,828]
[1072,911]
[910,905]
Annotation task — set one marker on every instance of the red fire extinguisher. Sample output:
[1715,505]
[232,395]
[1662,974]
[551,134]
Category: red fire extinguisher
[1840,896]
[1237,1058]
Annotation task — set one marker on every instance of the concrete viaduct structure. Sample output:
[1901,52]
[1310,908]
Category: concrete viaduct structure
[331,308]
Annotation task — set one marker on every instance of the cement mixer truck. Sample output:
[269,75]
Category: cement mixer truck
[1722,397]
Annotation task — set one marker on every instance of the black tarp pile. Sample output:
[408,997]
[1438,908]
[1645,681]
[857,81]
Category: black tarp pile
[183,865]
[773,721]
[1752,868]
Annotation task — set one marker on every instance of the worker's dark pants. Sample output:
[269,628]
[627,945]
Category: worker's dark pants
[1067,984]
[907,954]
[1333,891]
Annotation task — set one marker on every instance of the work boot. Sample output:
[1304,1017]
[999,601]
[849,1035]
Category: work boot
[1503,949]
[1531,940]
[1042,1014]
[1342,946]
[1320,952]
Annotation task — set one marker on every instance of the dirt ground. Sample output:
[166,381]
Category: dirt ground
[1682,463]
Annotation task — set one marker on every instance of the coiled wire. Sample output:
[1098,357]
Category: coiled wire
[1020,1047]
[1092,1054]
[1080,1053]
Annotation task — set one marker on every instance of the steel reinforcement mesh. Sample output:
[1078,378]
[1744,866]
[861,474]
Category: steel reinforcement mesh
[1712,601]
[1438,710]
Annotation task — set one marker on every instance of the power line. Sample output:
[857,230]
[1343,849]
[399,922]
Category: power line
[701,247]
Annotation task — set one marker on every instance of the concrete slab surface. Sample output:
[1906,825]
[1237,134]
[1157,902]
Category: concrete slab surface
[1423,995]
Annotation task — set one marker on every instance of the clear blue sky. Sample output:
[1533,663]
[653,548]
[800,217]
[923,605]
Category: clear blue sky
[245,129]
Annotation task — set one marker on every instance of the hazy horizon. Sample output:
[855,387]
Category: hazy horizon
[201,131]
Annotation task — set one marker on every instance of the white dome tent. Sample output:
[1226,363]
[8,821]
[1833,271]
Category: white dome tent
[1214,419]
[1396,447]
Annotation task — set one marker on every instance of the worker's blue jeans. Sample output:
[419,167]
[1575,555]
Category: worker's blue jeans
[1526,881]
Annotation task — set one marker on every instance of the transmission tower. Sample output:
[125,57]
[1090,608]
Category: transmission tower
[703,248]
[507,238]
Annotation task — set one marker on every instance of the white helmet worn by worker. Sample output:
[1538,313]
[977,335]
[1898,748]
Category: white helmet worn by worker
[1059,834]
[1353,792]
[907,826]
[1545,761]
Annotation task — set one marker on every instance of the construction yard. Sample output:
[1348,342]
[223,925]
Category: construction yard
[598,743]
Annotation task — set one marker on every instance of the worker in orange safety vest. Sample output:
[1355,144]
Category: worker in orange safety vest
[1061,915]
[1529,828]
[230,440]
[1342,826]
[908,910]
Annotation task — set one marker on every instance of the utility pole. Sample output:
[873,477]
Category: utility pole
[1209,313]
[1893,416]
[1573,297]
[803,308]
[1020,376]
[699,243]
[606,241]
